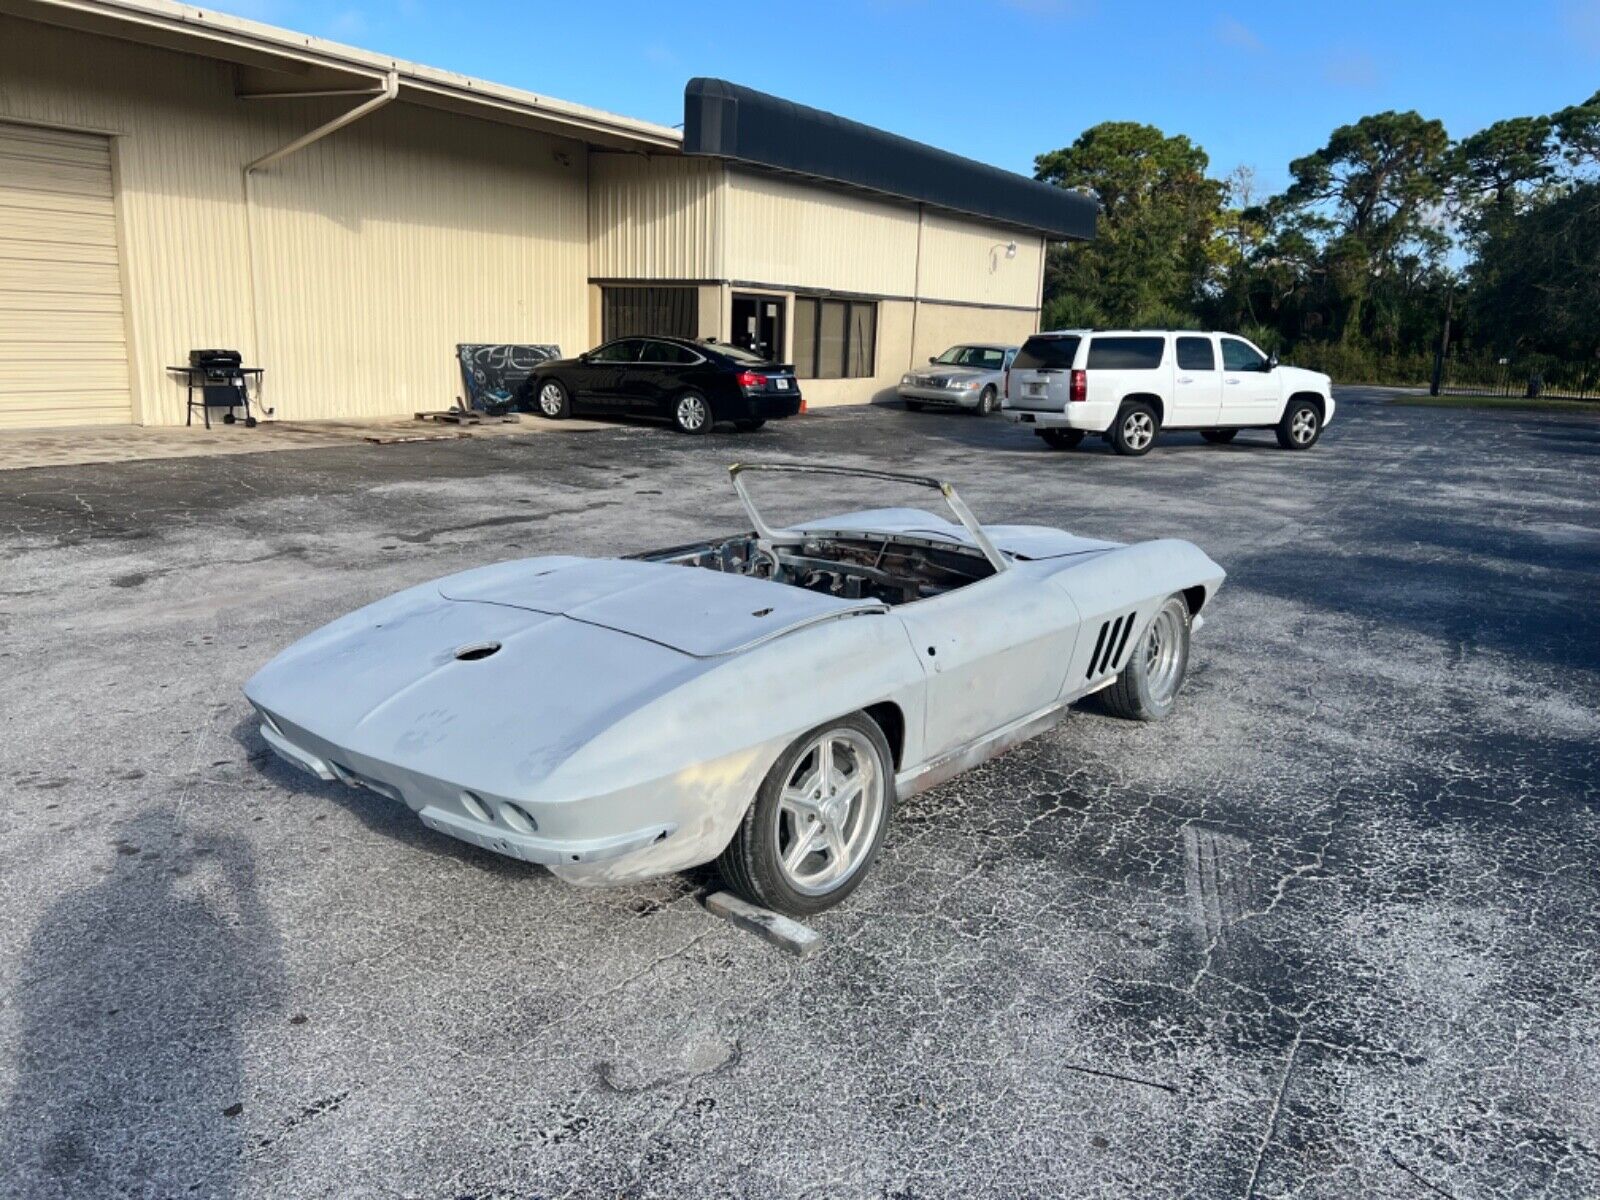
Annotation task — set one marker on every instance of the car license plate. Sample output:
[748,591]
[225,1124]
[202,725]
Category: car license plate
[783,384]
[1036,389]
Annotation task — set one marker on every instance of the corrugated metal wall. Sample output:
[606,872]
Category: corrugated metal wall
[654,217]
[964,260]
[378,249]
[783,232]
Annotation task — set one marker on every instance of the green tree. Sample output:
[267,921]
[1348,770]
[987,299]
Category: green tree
[1492,172]
[1372,189]
[1159,212]
[1578,129]
[1536,280]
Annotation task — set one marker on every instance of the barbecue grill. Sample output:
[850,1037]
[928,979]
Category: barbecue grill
[222,381]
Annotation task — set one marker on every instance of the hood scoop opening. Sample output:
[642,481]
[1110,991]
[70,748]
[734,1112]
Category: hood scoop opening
[473,651]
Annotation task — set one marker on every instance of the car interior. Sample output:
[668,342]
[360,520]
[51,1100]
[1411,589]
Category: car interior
[889,569]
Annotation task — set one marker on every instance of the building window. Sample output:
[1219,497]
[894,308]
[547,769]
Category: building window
[663,311]
[835,339]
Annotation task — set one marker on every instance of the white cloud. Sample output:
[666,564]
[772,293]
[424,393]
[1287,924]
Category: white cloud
[1231,32]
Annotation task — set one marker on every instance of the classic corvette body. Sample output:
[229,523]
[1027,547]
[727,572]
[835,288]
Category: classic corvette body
[620,718]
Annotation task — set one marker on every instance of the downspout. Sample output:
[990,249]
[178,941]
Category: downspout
[389,90]
[916,290]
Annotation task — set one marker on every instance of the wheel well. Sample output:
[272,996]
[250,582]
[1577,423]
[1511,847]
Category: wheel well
[892,721]
[1315,398]
[1154,402]
[1194,597]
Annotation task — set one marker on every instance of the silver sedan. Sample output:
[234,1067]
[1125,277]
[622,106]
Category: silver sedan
[966,376]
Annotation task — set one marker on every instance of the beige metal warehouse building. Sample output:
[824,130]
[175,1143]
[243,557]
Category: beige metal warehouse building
[173,178]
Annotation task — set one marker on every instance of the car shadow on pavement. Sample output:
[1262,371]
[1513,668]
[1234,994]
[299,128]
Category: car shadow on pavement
[378,813]
[131,997]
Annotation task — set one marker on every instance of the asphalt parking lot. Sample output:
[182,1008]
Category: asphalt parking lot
[1332,930]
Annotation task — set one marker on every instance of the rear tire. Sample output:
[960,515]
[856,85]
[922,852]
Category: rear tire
[691,414]
[783,851]
[986,401]
[1061,439]
[1301,425]
[1134,431]
[1149,684]
[913,405]
[553,402]
[1219,437]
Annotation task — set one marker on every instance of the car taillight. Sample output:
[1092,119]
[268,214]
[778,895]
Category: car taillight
[749,379]
[1080,387]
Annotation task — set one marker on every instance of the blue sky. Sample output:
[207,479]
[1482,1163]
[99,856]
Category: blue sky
[1002,80]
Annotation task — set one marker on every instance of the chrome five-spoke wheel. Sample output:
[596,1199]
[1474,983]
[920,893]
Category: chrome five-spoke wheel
[828,812]
[552,399]
[806,841]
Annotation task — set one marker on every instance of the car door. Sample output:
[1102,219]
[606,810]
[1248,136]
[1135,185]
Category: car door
[605,373]
[1196,382]
[1249,386]
[991,653]
[650,385]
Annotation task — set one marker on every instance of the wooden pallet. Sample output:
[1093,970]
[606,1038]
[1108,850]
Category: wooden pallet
[458,416]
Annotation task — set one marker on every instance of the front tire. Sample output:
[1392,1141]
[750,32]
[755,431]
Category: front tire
[1134,431]
[1219,437]
[1061,439]
[986,401]
[553,402]
[1301,425]
[1149,684]
[818,820]
[691,414]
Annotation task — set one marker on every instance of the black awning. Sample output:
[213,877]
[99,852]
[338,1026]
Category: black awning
[724,120]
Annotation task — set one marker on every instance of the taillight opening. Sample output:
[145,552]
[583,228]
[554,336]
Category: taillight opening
[1080,387]
[750,379]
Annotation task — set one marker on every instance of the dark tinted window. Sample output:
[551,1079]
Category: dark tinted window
[1196,354]
[1240,356]
[835,339]
[1039,352]
[626,350]
[662,311]
[1126,353]
[666,352]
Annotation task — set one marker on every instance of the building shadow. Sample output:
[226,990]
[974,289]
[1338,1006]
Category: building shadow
[131,1000]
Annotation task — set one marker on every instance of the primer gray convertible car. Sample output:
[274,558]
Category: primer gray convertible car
[761,699]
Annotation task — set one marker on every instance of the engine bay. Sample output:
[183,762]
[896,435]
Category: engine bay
[887,569]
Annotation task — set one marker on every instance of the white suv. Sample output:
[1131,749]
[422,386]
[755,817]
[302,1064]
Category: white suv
[1130,384]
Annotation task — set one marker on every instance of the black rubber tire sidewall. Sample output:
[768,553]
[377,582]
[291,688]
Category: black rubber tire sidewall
[986,400]
[1128,696]
[1285,439]
[679,426]
[1122,447]
[748,866]
[566,400]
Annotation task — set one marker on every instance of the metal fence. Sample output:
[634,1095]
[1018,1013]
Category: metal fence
[1529,376]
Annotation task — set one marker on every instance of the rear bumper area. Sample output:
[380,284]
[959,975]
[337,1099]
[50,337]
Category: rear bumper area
[771,407]
[1054,419]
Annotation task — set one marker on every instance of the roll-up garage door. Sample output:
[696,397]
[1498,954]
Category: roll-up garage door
[63,351]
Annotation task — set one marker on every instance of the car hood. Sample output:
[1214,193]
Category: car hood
[949,372]
[698,612]
[1299,377]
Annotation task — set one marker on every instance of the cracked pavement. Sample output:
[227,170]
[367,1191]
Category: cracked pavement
[1331,930]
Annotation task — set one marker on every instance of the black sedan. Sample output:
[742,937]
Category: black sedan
[692,384]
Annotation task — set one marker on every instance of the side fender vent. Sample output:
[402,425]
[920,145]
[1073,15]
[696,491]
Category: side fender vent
[1108,647]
